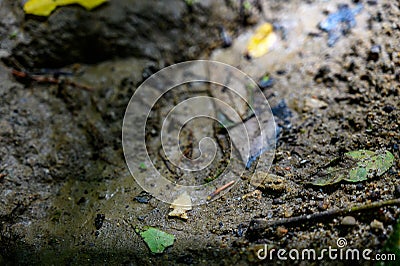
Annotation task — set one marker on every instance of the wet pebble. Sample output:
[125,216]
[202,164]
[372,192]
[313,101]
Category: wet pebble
[374,53]
[240,230]
[288,213]
[102,195]
[266,82]
[81,200]
[98,221]
[388,108]
[377,225]
[311,103]
[397,191]
[374,195]
[281,231]
[348,221]
[143,197]
[277,201]
[225,37]
[323,205]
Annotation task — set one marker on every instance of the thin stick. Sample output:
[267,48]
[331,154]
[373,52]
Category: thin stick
[45,79]
[218,190]
[260,225]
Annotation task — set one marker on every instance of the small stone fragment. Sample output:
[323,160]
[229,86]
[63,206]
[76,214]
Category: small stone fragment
[98,221]
[143,197]
[288,213]
[373,54]
[348,221]
[312,103]
[281,231]
[377,225]
[269,182]
[254,194]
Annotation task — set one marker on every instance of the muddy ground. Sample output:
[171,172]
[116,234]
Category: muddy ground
[62,164]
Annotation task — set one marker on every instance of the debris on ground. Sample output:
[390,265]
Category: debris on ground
[266,82]
[354,166]
[262,41]
[220,189]
[98,221]
[348,221]
[143,197]
[180,206]
[340,22]
[45,7]
[282,115]
[156,240]
[28,78]
[254,194]
[313,103]
[270,183]
[225,37]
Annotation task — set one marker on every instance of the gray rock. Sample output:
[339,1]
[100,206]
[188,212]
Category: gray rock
[348,221]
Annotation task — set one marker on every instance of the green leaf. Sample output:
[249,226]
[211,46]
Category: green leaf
[354,166]
[142,166]
[369,164]
[45,7]
[157,240]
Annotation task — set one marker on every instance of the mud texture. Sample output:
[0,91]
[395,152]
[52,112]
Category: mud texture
[66,195]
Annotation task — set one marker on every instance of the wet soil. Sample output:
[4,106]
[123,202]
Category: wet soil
[67,195]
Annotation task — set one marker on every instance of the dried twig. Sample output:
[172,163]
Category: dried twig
[218,190]
[258,226]
[47,79]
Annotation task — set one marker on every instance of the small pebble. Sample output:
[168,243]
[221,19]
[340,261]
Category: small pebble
[374,195]
[277,201]
[102,195]
[388,108]
[397,191]
[281,231]
[377,225]
[348,221]
[288,213]
[374,53]
[323,205]
[98,221]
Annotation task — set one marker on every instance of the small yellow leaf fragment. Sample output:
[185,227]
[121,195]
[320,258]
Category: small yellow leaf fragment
[180,206]
[45,7]
[262,40]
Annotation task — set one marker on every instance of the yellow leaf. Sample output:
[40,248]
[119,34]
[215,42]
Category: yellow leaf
[45,7]
[261,41]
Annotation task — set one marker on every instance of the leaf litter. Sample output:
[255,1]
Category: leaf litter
[46,7]
[354,166]
[156,240]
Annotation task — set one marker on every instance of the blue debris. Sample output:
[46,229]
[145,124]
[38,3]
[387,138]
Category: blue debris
[143,197]
[282,115]
[266,82]
[340,22]
[254,157]
[225,37]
